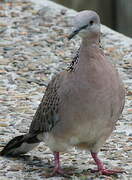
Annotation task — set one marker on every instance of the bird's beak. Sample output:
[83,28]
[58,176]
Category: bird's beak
[73,34]
[76,31]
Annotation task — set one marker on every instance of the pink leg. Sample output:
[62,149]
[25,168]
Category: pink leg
[57,169]
[101,168]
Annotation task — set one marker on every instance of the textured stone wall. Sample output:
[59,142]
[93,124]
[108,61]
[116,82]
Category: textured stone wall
[34,47]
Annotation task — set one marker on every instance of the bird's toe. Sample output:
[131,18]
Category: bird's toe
[107,171]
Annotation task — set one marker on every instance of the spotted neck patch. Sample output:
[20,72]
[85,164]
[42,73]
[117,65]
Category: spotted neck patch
[71,67]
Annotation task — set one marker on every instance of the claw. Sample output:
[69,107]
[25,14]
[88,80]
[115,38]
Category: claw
[107,171]
[57,171]
[102,169]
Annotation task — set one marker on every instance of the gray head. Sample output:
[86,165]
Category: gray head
[86,23]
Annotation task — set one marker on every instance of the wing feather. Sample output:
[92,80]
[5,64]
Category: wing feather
[46,116]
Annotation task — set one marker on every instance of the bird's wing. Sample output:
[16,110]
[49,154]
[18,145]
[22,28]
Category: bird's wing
[46,116]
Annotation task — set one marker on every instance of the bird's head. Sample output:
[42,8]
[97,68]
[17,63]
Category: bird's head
[86,24]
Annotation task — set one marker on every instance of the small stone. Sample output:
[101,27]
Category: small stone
[129,93]
[128,148]
[2,30]
[127,65]
[14,14]
[63,11]
[3,120]
[2,71]
[7,48]
[16,168]
[4,61]
[3,124]
[31,67]
[129,97]
[23,33]
[130,134]
[129,111]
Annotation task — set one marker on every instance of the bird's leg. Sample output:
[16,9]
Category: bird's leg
[57,168]
[101,167]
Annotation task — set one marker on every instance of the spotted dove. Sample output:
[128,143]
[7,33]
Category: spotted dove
[81,105]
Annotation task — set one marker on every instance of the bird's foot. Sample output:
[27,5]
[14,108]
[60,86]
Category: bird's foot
[57,171]
[101,167]
[108,172]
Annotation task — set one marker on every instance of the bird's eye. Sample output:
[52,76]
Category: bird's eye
[91,22]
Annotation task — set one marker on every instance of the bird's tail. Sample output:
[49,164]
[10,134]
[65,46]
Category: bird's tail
[20,145]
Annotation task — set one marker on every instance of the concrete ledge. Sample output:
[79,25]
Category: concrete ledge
[33,47]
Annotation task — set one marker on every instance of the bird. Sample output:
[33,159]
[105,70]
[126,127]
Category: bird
[81,104]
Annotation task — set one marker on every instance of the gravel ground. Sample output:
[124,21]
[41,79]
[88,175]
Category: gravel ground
[33,47]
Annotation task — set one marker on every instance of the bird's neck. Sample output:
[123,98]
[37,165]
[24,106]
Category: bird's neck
[89,48]
[91,41]
[89,53]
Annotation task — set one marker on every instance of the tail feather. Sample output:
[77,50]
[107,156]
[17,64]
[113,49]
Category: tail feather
[20,145]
